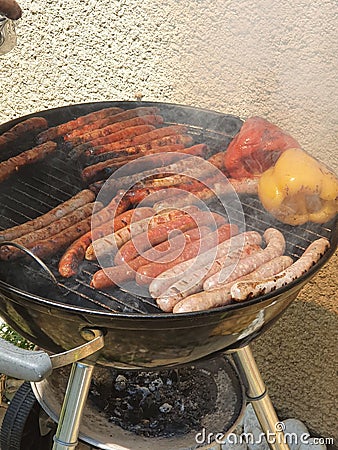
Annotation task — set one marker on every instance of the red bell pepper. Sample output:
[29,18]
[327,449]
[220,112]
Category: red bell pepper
[255,148]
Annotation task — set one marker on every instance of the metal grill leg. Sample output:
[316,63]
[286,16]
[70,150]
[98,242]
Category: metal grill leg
[73,405]
[258,396]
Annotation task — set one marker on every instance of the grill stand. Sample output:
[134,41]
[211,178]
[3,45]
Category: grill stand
[37,365]
[66,436]
[79,382]
[257,394]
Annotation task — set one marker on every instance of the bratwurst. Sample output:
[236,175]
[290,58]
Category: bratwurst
[18,131]
[14,164]
[248,289]
[75,202]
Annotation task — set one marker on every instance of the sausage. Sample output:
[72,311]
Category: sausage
[75,202]
[54,244]
[177,178]
[121,116]
[218,161]
[222,296]
[197,150]
[275,247]
[186,166]
[110,243]
[74,255]
[106,168]
[117,275]
[19,130]
[144,149]
[93,135]
[249,289]
[146,274]
[193,279]
[10,9]
[118,205]
[127,133]
[158,234]
[138,140]
[9,252]
[149,196]
[12,165]
[160,284]
[247,186]
[60,130]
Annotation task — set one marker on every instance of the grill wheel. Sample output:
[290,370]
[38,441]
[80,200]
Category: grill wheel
[20,428]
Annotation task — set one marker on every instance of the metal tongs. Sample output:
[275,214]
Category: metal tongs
[7,35]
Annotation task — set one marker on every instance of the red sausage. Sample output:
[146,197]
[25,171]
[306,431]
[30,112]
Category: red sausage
[19,130]
[74,255]
[142,242]
[60,130]
[117,275]
[146,274]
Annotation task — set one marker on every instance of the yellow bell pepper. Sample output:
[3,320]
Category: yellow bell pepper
[299,189]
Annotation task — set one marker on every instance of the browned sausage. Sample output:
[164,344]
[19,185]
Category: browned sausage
[110,243]
[147,273]
[186,165]
[116,275]
[126,133]
[60,130]
[144,149]
[275,247]
[151,194]
[94,135]
[75,202]
[60,241]
[9,252]
[218,161]
[118,205]
[105,168]
[222,296]
[119,117]
[247,289]
[160,284]
[74,255]
[12,165]
[154,236]
[70,261]
[193,278]
[19,130]
[219,190]
[138,140]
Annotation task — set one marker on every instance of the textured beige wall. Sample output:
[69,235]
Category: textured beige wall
[246,57]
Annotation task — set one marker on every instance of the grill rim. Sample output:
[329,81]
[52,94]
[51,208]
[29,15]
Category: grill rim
[279,293]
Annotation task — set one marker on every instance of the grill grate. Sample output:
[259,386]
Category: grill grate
[43,187]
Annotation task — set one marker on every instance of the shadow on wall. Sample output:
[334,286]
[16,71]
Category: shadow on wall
[298,357]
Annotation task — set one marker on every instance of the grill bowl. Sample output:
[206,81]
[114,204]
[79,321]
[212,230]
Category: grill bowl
[137,334]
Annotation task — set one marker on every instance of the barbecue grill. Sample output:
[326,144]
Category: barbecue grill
[59,315]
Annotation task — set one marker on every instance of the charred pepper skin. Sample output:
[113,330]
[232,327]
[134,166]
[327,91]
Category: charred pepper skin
[299,189]
[255,148]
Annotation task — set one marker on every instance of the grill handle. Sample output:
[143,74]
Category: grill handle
[30,365]
[36,365]
[31,254]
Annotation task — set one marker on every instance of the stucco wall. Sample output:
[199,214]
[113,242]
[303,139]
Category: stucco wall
[246,57]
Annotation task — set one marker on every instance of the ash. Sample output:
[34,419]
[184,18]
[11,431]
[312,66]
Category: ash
[156,404]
